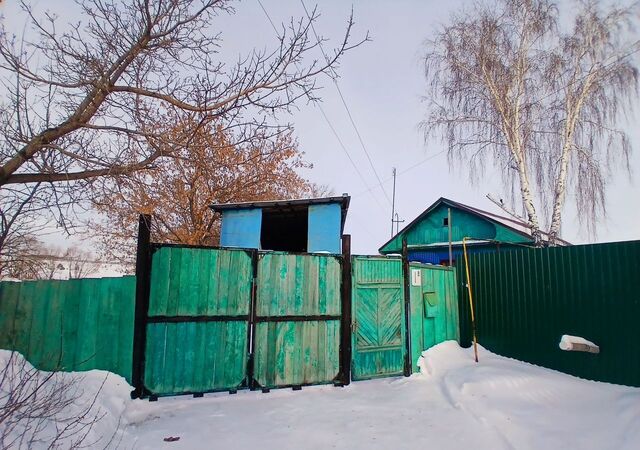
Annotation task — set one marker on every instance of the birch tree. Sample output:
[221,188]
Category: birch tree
[510,87]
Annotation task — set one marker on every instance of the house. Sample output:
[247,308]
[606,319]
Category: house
[428,234]
[304,225]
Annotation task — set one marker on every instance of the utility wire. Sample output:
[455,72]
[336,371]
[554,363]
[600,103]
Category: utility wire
[264,10]
[326,118]
[419,163]
[344,103]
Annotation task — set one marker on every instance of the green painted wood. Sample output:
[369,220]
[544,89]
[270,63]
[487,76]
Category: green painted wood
[292,284]
[297,352]
[378,317]
[70,325]
[192,281]
[434,309]
[196,356]
[526,299]
[430,229]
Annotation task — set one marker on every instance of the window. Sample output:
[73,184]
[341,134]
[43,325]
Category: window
[285,230]
[445,222]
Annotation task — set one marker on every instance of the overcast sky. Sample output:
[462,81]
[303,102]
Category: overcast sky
[382,83]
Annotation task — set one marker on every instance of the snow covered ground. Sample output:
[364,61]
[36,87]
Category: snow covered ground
[454,403]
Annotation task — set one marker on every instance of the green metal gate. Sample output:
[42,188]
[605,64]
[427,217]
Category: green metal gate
[434,308]
[297,320]
[197,320]
[378,317]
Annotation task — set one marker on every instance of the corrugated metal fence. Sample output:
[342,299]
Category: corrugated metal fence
[70,324]
[526,299]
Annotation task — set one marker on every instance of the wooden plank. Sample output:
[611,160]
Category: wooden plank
[126,306]
[9,296]
[187,285]
[70,323]
[175,269]
[52,348]
[160,280]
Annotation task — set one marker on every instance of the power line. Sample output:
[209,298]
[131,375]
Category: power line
[419,163]
[344,103]
[344,148]
[264,10]
[326,119]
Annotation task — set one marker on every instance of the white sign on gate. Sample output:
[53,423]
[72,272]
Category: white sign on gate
[416,277]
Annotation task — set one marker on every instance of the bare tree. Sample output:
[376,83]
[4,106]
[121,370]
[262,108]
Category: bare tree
[593,81]
[88,100]
[178,191]
[31,259]
[45,409]
[508,85]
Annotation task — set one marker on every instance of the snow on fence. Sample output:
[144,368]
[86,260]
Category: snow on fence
[527,299]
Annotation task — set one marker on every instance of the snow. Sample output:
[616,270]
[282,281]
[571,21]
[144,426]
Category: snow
[100,396]
[498,403]
[569,343]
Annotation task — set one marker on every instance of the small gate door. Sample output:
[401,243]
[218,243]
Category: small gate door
[434,308]
[378,317]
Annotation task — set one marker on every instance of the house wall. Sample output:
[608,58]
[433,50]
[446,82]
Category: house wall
[241,228]
[324,228]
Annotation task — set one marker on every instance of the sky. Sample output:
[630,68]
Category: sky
[383,84]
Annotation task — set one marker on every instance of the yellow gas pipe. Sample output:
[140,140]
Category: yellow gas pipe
[473,318]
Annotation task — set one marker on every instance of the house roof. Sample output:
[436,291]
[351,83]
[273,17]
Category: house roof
[512,224]
[287,205]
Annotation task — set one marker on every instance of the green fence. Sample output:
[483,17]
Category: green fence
[525,300]
[197,320]
[378,303]
[378,337]
[226,319]
[70,324]
[297,322]
[434,308]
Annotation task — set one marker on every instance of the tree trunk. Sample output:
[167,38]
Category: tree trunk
[559,196]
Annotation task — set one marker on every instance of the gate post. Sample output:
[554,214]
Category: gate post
[407,308]
[251,326]
[345,323]
[143,283]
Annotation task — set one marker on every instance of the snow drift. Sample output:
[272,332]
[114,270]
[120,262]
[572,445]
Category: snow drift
[498,403]
[41,409]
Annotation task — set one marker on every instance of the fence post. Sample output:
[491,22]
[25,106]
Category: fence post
[407,308]
[143,282]
[345,323]
[251,381]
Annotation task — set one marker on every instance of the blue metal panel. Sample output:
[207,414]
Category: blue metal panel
[324,228]
[241,228]
[437,255]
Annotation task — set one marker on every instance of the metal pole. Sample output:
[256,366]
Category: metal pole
[393,200]
[143,281]
[450,249]
[406,275]
[473,318]
[345,324]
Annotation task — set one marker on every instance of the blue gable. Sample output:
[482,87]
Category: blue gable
[325,223]
[241,228]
